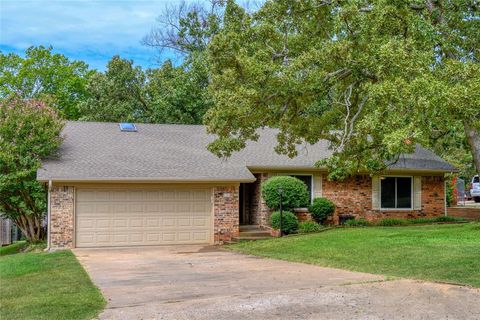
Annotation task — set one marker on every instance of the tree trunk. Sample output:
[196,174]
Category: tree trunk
[31,228]
[473,139]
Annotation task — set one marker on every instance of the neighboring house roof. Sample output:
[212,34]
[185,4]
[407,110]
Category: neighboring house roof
[95,151]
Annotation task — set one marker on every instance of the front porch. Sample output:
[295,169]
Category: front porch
[252,207]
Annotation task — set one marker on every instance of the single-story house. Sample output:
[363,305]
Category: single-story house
[155,184]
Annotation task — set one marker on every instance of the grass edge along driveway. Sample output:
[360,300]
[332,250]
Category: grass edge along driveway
[47,286]
[446,253]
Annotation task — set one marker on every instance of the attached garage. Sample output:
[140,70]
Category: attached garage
[108,217]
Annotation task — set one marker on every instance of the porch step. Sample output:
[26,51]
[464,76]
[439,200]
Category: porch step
[252,232]
[247,227]
[255,233]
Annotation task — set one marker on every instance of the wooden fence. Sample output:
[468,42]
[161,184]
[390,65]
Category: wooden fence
[5,231]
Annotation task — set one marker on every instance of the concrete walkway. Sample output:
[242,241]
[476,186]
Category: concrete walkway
[196,282]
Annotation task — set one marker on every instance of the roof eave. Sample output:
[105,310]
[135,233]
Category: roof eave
[143,180]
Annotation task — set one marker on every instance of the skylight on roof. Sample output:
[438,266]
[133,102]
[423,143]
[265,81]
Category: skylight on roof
[128,127]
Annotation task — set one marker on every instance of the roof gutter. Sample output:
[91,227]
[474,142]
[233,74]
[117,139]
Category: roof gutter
[145,180]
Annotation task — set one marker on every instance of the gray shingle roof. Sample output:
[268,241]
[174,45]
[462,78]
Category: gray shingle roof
[157,152]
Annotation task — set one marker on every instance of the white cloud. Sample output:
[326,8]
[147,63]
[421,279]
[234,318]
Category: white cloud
[88,30]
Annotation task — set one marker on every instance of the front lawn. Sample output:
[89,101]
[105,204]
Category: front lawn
[448,253]
[46,286]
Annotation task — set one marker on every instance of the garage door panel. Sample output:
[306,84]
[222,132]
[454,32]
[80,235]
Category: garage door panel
[142,217]
[200,222]
[200,236]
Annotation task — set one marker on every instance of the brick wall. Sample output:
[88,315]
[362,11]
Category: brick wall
[62,217]
[354,197]
[226,213]
[259,210]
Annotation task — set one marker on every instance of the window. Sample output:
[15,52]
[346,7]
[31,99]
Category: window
[307,180]
[396,192]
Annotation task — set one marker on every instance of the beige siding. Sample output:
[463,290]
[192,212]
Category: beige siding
[143,216]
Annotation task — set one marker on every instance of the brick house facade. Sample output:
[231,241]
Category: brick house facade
[353,197]
[117,185]
[226,213]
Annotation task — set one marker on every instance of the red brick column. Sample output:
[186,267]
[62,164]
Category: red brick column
[61,222]
[226,213]
[260,211]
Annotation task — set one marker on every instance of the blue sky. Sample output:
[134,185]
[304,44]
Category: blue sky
[92,31]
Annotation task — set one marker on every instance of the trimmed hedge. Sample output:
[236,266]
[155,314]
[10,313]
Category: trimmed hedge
[289,221]
[295,193]
[308,227]
[391,222]
[321,209]
[358,223]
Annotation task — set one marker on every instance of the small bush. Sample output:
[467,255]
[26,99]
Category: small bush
[321,209]
[390,222]
[448,219]
[295,193]
[289,222]
[357,223]
[308,227]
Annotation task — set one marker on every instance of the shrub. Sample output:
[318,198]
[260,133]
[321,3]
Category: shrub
[308,227]
[295,193]
[357,223]
[448,219]
[390,222]
[289,221]
[321,209]
[421,220]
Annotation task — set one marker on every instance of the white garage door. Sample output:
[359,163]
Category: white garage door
[135,217]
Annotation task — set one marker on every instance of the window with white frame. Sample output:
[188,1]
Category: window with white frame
[396,192]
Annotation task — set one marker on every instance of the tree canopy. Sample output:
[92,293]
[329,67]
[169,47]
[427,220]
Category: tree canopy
[374,78]
[29,130]
[42,73]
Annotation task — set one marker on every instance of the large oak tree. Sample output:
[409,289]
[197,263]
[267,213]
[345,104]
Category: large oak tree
[373,77]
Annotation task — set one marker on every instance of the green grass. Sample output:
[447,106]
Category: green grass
[13,248]
[449,253]
[47,286]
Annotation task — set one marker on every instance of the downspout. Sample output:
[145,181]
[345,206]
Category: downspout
[445,194]
[48,214]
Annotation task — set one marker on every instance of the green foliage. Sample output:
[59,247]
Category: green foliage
[126,93]
[29,130]
[179,94]
[41,73]
[289,222]
[321,209]
[118,94]
[436,220]
[13,248]
[358,223]
[402,74]
[391,222]
[309,227]
[295,193]
[450,187]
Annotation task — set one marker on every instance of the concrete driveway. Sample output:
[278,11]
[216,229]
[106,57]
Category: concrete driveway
[196,282]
